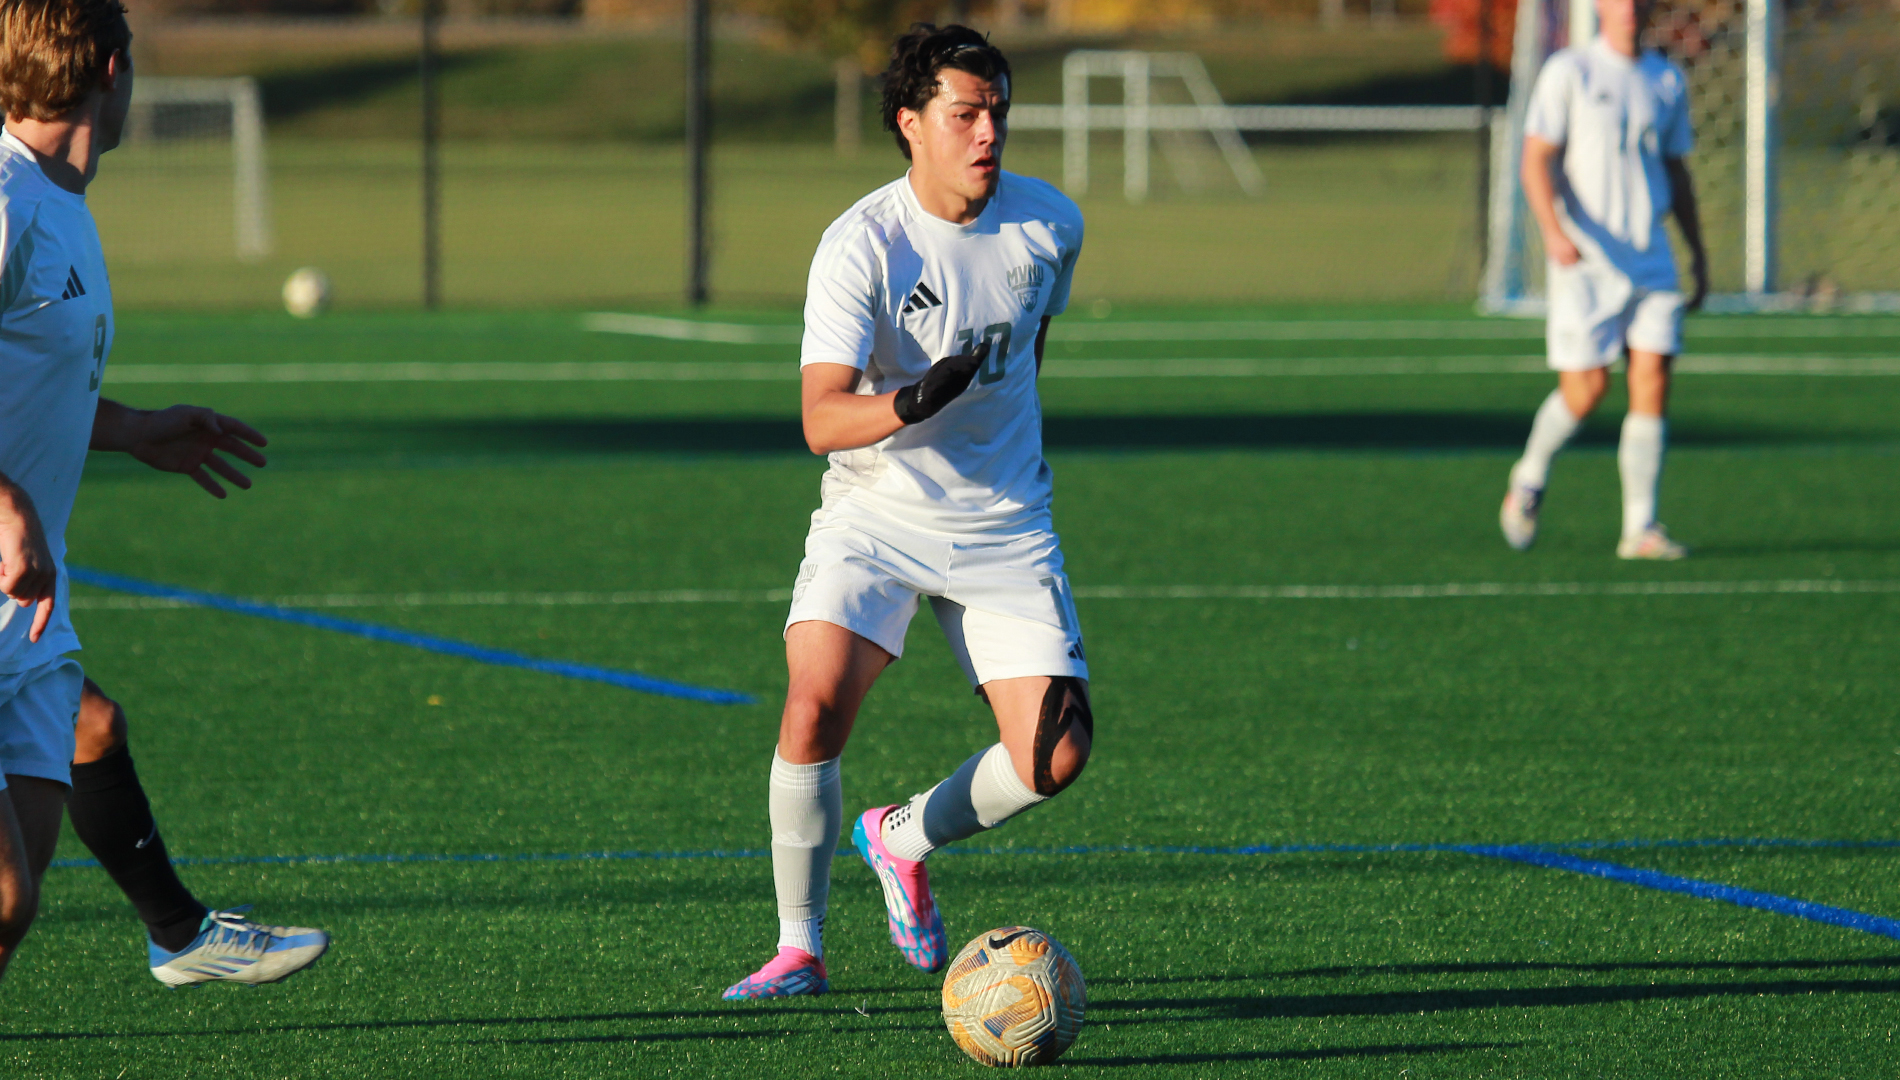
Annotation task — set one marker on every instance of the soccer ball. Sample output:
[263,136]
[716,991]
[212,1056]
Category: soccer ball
[307,293]
[1014,997]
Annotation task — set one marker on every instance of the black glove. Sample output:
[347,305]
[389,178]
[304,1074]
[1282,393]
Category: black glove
[940,385]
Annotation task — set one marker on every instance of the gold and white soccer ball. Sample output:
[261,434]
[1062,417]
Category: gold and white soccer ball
[307,293]
[1014,997]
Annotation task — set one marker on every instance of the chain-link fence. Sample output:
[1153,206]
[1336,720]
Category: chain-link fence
[1840,165]
[1837,219]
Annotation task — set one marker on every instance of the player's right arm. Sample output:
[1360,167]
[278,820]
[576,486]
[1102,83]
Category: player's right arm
[841,319]
[28,573]
[835,417]
[1546,130]
[1540,191]
[838,419]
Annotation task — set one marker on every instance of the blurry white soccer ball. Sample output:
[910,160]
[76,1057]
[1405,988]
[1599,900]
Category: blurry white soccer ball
[307,293]
[1014,997]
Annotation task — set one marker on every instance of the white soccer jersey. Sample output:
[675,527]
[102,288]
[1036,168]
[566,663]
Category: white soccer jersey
[1616,118]
[55,333]
[894,289]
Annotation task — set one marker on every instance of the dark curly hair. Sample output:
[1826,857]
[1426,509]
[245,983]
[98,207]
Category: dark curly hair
[917,62]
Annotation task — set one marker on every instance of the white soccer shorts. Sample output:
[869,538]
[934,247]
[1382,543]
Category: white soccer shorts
[1595,312]
[1004,606]
[38,708]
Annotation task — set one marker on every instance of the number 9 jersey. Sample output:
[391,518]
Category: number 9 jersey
[55,336]
[893,289]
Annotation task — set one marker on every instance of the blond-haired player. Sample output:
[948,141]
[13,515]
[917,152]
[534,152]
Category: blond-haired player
[1606,134]
[66,84]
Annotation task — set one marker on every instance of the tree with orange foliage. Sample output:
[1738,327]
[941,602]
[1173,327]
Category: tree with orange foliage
[1460,20]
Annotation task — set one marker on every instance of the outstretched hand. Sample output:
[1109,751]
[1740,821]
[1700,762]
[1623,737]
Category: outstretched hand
[188,439]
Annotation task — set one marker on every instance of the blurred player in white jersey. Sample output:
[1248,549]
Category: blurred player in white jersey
[66,84]
[1606,134]
[924,324]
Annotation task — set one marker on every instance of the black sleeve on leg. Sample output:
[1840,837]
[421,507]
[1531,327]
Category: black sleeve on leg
[1063,704]
[114,820]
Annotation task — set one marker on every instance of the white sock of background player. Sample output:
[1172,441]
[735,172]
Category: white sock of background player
[983,793]
[807,808]
[1549,432]
[1639,458]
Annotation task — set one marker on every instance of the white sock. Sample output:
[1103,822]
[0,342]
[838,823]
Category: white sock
[983,793]
[806,934]
[1549,432]
[807,807]
[1639,457]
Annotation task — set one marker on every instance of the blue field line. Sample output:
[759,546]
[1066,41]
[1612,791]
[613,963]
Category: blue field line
[629,680]
[1706,890]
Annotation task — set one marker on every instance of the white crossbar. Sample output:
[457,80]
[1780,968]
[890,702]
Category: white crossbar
[1387,118]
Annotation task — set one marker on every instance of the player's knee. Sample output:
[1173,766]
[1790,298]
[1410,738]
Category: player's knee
[19,904]
[99,729]
[1584,394]
[1065,733]
[814,726]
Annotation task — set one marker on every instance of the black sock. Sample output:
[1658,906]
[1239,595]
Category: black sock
[114,821]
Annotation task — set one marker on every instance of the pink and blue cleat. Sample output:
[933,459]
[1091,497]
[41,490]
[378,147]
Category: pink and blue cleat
[792,973]
[916,926]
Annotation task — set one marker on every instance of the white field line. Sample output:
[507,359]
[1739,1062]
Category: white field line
[608,322]
[1055,368]
[1262,330]
[1452,590]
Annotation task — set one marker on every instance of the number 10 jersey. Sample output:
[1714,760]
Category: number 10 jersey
[893,289]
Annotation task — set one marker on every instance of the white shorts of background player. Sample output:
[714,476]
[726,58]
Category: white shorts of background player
[1004,605]
[1596,312]
[37,710]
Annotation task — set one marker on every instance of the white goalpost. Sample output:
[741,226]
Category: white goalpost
[1797,159]
[1143,122]
[191,181]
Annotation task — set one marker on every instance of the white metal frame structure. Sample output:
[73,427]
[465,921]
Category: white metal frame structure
[1763,139]
[250,179]
[1138,70]
[1138,118]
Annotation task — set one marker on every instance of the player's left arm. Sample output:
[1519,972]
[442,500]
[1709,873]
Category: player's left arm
[1682,203]
[1042,338]
[186,439]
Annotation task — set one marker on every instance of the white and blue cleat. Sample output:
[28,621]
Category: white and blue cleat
[1518,516]
[232,948]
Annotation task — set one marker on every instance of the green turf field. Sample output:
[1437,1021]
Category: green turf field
[1624,709]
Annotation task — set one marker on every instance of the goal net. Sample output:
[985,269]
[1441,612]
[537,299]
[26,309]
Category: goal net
[1797,158]
[188,184]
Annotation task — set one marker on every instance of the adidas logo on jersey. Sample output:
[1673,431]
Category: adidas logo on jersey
[921,299]
[74,287]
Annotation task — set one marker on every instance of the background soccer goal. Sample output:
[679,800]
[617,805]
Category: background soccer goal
[1797,159]
[190,183]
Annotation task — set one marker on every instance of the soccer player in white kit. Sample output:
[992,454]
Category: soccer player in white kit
[66,84]
[936,489]
[1606,132]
